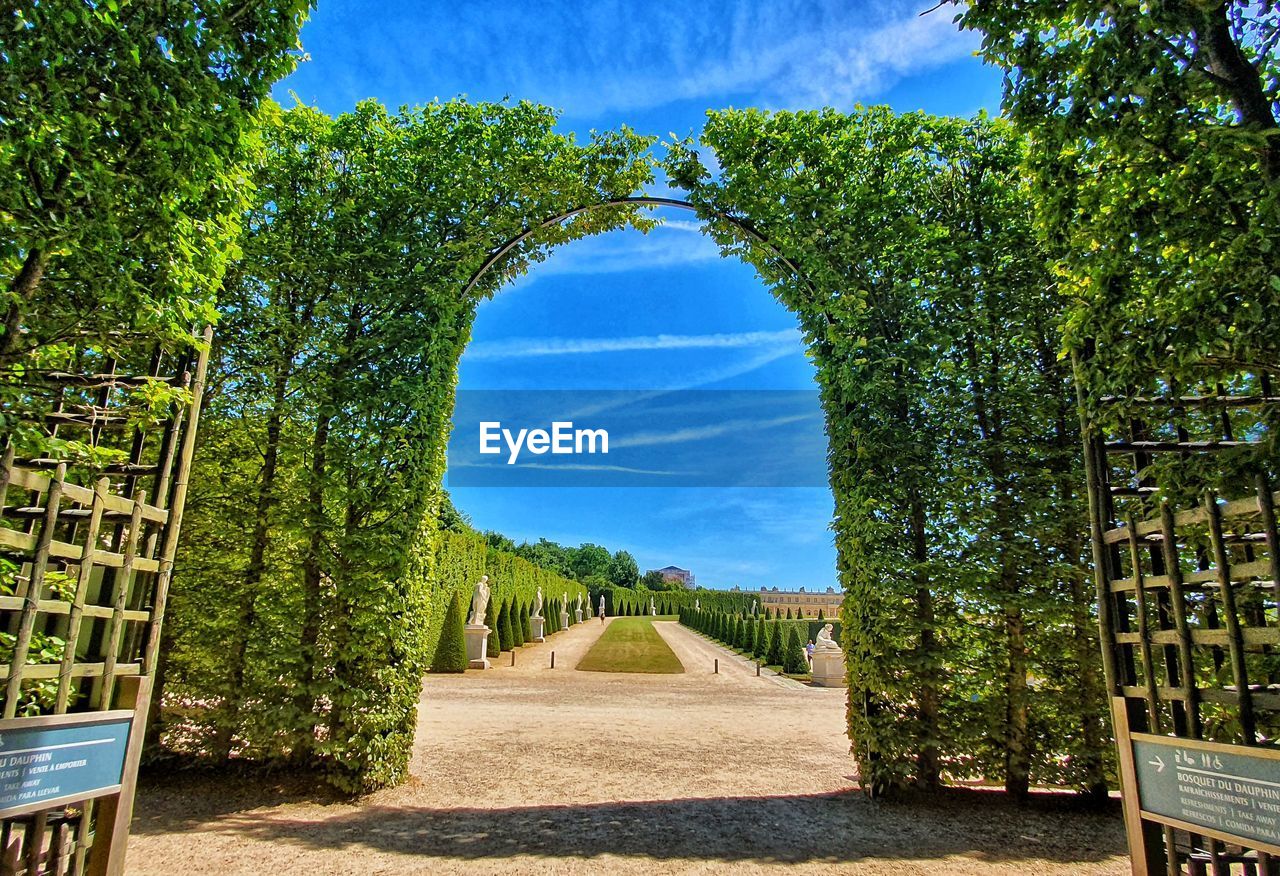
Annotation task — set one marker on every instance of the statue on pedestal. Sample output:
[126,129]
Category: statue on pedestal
[824,642]
[578,605]
[653,609]
[480,602]
[537,604]
[602,605]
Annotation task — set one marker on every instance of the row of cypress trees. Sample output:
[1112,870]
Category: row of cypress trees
[776,643]
[509,629]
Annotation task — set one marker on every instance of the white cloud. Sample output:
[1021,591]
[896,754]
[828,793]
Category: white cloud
[617,55]
[569,466]
[702,433]
[669,245]
[521,348]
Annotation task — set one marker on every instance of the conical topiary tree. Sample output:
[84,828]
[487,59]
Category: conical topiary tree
[493,646]
[517,624]
[774,655]
[760,646]
[451,650]
[748,644]
[793,659]
[525,626]
[821,618]
[504,624]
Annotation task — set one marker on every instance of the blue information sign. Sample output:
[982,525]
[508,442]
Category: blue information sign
[49,761]
[1231,791]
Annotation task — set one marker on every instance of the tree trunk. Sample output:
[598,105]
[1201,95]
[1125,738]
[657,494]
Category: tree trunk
[257,559]
[928,768]
[1243,85]
[1017,754]
[312,580]
[22,289]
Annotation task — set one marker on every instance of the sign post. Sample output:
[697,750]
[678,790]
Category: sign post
[1227,792]
[60,760]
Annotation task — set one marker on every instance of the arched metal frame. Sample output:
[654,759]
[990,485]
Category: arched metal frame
[635,201]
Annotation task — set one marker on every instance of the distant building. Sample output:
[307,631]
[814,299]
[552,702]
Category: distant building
[674,573]
[802,603]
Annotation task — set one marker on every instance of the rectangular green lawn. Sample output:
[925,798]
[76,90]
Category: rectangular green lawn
[631,644]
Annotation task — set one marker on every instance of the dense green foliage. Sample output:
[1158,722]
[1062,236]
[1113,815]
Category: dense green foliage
[793,656]
[635,600]
[1155,162]
[773,653]
[308,587]
[760,644]
[940,263]
[929,314]
[125,129]
[517,624]
[1155,170]
[451,650]
[771,642]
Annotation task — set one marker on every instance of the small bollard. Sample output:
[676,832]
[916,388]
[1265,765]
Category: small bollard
[717,666]
[757,669]
[513,656]
[553,659]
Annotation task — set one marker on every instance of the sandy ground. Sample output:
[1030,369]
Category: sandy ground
[529,769]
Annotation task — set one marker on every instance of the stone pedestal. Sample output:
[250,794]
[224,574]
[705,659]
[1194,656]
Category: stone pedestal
[536,626]
[577,612]
[828,669]
[477,636]
[564,620]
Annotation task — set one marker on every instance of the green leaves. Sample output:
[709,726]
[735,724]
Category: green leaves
[931,321]
[120,170]
[342,324]
[1156,170]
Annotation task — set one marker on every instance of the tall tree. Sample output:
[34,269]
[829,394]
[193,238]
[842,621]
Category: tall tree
[125,127]
[1156,165]
[365,230]
[623,570]
[927,310]
[589,559]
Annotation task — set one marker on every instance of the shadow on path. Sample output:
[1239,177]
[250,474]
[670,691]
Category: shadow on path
[836,828]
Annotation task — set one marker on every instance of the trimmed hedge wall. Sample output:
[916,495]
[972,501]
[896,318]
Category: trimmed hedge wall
[624,601]
[768,640]
[462,557]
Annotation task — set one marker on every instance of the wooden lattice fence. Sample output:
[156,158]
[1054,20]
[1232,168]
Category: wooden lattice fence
[88,532]
[1187,565]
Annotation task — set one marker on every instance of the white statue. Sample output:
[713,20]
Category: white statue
[697,605]
[602,605]
[653,609]
[824,641]
[578,606]
[537,604]
[480,602]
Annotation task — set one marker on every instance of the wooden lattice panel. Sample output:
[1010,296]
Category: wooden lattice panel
[88,533]
[1189,584]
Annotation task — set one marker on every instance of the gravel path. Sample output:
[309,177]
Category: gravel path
[527,769]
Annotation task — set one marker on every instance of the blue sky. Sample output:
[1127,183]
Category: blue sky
[602,313]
